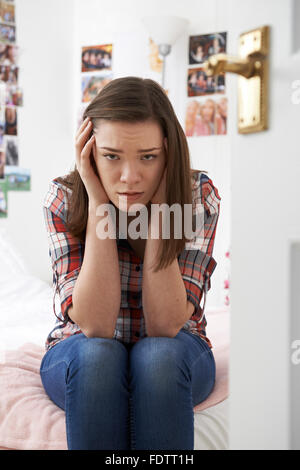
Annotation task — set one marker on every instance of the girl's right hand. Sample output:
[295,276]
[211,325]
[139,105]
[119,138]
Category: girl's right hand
[84,154]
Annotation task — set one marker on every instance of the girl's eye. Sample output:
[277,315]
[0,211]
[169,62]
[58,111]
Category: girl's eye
[109,156]
[154,156]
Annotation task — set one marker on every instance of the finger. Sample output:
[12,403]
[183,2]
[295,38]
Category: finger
[86,151]
[84,135]
[83,125]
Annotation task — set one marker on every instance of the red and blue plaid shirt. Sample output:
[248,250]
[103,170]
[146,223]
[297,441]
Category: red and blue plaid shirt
[66,252]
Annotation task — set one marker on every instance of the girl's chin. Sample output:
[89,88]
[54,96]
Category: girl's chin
[123,207]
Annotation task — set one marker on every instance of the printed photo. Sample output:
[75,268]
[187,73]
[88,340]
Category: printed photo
[2,126]
[9,74]
[2,163]
[200,84]
[3,92]
[7,12]
[11,120]
[202,47]
[7,33]
[95,58]
[206,117]
[3,199]
[11,150]
[92,84]
[8,54]
[18,179]
[14,96]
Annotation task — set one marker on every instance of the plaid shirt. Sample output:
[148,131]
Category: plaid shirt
[195,262]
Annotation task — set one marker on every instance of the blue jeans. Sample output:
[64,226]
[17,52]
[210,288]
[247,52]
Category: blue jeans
[119,396]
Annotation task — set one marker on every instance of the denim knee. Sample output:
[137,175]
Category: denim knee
[98,356]
[157,361]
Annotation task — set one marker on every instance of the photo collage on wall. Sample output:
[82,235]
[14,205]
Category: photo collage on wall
[96,72]
[206,110]
[12,176]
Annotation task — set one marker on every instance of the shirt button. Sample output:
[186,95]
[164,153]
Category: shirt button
[137,333]
[137,268]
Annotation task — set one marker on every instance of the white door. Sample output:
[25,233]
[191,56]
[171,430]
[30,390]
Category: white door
[265,205]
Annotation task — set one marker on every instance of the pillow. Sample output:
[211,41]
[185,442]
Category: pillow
[26,302]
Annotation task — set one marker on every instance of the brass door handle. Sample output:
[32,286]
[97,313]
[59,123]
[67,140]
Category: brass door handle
[247,67]
[252,66]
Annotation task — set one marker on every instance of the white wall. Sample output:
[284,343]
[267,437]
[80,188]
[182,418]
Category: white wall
[265,217]
[51,35]
[44,33]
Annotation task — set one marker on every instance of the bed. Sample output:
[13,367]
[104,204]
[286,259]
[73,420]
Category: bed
[29,420]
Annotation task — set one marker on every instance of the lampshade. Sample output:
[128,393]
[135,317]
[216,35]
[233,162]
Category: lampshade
[165,29]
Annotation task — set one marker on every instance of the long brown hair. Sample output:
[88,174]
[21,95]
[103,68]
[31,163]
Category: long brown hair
[135,99]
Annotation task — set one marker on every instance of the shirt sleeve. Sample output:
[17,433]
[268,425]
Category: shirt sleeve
[65,251]
[196,261]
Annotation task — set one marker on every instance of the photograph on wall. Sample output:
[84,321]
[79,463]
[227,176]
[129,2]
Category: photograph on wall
[206,116]
[8,54]
[200,84]
[14,96]
[3,199]
[2,126]
[3,91]
[11,150]
[203,46]
[2,164]
[7,12]
[92,84]
[7,33]
[94,58]
[10,121]
[155,61]
[18,179]
[9,74]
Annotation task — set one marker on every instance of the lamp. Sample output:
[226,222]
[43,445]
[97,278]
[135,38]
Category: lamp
[164,30]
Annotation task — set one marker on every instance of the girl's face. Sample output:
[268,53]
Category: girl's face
[208,111]
[134,159]
[216,43]
[93,58]
[10,115]
[192,109]
[223,107]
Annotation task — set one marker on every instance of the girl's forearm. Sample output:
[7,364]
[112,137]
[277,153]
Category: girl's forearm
[164,294]
[97,292]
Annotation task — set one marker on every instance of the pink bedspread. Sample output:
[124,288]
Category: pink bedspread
[30,420]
